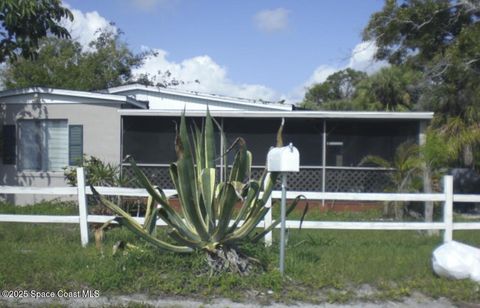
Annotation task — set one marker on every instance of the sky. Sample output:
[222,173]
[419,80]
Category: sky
[270,50]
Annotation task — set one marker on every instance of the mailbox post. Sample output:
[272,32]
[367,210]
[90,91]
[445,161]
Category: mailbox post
[283,159]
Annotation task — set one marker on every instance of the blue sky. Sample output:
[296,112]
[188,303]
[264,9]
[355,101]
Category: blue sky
[259,49]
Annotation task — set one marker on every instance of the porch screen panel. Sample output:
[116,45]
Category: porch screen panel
[349,142]
[306,136]
[260,135]
[151,140]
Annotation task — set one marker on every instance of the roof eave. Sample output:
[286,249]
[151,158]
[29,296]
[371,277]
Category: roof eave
[72,93]
[288,114]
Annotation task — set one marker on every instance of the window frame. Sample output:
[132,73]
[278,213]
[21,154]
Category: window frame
[43,146]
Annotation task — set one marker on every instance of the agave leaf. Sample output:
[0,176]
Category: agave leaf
[188,201]
[268,185]
[279,134]
[157,194]
[197,147]
[239,189]
[114,208]
[209,142]
[186,232]
[149,211]
[215,205]
[247,227]
[100,233]
[257,215]
[290,208]
[151,222]
[208,193]
[126,220]
[252,195]
[223,150]
[240,163]
[227,199]
[184,178]
[179,238]
[151,239]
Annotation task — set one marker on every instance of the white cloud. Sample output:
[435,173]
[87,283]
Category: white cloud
[361,59]
[320,74]
[85,26]
[211,76]
[272,20]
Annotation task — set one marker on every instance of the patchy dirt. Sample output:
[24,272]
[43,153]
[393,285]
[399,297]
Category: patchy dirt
[416,300]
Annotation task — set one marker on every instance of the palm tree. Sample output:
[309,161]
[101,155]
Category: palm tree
[462,137]
[405,176]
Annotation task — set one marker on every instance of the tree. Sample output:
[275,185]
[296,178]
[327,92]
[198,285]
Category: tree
[335,92]
[25,22]
[419,30]
[394,88]
[440,40]
[64,64]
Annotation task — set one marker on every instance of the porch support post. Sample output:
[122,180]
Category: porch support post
[222,143]
[122,132]
[324,157]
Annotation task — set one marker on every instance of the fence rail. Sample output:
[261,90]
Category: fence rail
[81,191]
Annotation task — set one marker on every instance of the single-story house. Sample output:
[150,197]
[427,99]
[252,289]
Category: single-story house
[47,129]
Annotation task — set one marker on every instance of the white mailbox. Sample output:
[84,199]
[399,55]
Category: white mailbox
[284,159]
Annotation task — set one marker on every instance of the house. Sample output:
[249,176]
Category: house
[47,129]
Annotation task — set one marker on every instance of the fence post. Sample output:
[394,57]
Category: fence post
[448,208]
[268,221]
[82,206]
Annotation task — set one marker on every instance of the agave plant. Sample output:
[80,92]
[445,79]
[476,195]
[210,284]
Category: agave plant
[207,219]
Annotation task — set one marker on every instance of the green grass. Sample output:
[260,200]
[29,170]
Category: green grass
[42,208]
[332,266]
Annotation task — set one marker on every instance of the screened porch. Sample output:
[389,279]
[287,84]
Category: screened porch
[331,145]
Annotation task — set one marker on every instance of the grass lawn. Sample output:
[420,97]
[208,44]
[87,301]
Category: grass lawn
[332,266]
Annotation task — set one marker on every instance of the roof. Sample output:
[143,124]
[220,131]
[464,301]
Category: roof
[258,103]
[105,98]
[288,114]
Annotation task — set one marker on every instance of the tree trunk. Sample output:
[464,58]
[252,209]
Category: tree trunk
[468,155]
[398,208]
[386,208]
[427,188]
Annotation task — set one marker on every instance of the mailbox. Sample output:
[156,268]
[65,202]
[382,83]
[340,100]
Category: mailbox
[284,159]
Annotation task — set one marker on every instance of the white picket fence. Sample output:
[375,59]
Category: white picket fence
[81,191]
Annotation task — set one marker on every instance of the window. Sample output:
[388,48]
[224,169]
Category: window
[335,153]
[43,145]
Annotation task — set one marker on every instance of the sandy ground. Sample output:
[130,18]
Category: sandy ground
[417,300]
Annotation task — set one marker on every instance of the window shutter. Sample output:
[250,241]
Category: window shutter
[75,144]
[9,144]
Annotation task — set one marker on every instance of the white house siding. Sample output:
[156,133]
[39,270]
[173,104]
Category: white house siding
[101,134]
